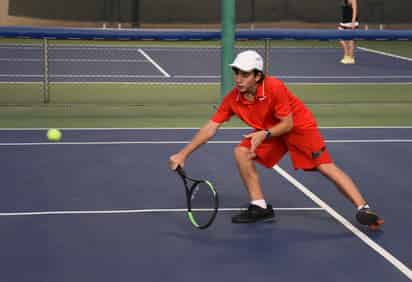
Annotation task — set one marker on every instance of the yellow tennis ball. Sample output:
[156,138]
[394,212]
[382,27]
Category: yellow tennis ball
[54,135]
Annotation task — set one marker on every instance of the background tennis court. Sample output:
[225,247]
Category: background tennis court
[102,84]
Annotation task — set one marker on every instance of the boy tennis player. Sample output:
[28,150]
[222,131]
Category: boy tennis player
[282,123]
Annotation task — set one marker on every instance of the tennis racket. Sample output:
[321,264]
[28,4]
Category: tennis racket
[201,198]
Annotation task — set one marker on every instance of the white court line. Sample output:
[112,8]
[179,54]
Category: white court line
[349,83]
[190,128]
[167,75]
[21,75]
[19,60]
[346,77]
[101,76]
[152,47]
[153,62]
[371,141]
[384,253]
[312,76]
[163,82]
[191,82]
[385,54]
[21,46]
[74,60]
[34,213]
[63,47]
[184,142]
[99,60]
[197,76]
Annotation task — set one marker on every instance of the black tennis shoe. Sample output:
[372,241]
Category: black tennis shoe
[366,216]
[253,214]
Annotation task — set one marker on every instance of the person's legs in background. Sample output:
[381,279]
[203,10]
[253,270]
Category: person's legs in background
[348,47]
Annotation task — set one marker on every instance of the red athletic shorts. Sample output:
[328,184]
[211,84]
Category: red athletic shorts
[306,148]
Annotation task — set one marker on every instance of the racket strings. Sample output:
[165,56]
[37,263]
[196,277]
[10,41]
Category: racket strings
[203,203]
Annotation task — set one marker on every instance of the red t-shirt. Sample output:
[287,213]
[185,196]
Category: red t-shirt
[272,101]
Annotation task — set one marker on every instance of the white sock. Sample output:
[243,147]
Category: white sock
[363,206]
[260,203]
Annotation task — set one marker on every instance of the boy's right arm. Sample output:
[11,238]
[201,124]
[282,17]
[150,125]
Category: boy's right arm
[205,133]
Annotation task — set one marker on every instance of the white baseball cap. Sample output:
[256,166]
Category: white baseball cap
[248,61]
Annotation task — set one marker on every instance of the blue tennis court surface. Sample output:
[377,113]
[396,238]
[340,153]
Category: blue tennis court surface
[71,63]
[102,206]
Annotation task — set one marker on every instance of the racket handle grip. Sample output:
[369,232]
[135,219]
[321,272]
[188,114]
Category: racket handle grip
[180,171]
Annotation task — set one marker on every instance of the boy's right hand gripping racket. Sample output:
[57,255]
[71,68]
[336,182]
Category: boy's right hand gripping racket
[201,198]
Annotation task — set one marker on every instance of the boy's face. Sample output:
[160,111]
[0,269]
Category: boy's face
[245,82]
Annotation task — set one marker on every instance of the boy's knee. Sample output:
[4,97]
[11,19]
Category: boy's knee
[240,152]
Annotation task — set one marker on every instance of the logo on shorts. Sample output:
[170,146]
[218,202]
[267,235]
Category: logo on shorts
[317,154]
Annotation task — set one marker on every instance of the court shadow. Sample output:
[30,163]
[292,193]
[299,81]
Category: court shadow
[282,237]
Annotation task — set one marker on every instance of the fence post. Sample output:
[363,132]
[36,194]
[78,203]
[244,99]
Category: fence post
[227,41]
[46,97]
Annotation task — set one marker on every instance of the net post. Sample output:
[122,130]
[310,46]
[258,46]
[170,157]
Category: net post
[227,44]
[267,49]
[46,96]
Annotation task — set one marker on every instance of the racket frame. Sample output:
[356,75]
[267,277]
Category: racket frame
[189,192]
